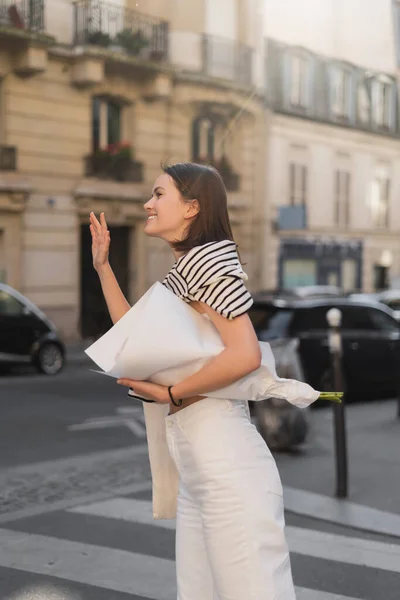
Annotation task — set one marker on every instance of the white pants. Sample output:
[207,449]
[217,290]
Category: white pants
[230,542]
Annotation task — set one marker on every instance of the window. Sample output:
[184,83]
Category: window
[298,174]
[349,274]
[106,123]
[342,197]
[299,81]
[298,272]
[363,104]
[382,321]
[341,92]
[379,198]
[383,102]
[9,305]
[270,322]
[203,139]
[356,318]
[310,319]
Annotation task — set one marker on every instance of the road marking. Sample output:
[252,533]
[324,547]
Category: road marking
[341,512]
[108,568]
[76,461]
[131,417]
[40,509]
[125,509]
[308,542]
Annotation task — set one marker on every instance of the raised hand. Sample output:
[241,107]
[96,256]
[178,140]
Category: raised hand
[100,241]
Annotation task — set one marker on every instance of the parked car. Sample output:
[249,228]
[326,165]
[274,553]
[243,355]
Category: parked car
[27,335]
[370,338]
[390,298]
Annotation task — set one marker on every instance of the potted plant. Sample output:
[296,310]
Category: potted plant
[120,159]
[98,38]
[132,41]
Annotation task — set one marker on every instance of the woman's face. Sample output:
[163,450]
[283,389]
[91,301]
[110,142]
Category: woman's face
[168,215]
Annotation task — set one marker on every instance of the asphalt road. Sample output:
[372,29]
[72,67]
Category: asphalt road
[75,511]
[75,412]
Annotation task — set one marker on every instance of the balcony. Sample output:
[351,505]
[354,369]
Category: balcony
[25,15]
[120,29]
[115,163]
[227,59]
[8,158]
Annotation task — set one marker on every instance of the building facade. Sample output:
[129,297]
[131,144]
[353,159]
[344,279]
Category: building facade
[333,176]
[94,96]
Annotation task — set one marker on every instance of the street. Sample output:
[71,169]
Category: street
[75,499]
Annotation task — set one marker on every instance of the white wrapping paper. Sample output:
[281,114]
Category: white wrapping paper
[163,340]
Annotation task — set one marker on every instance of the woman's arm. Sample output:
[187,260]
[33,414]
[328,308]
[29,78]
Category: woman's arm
[241,356]
[117,304]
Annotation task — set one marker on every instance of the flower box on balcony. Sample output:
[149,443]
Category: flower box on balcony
[114,162]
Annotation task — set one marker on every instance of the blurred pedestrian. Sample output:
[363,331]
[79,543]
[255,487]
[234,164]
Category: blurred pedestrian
[230,540]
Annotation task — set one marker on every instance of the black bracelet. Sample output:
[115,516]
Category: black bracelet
[179,402]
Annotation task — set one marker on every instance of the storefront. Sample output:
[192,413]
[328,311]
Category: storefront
[320,262]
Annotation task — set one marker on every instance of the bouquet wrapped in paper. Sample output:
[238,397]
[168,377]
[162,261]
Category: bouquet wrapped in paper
[164,340]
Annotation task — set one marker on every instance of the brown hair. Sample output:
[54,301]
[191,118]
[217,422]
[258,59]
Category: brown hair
[204,184]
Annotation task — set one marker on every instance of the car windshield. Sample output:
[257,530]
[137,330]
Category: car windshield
[270,322]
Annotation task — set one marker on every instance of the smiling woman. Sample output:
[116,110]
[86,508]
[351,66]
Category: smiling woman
[230,542]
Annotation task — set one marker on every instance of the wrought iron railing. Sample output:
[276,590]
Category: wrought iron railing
[227,59]
[108,25]
[8,158]
[98,165]
[22,14]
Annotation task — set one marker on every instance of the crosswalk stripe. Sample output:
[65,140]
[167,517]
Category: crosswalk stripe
[107,568]
[340,511]
[308,542]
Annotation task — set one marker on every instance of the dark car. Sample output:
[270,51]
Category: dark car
[370,340]
[390,298]
[27,335]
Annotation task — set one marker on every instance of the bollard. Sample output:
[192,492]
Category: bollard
[334,318]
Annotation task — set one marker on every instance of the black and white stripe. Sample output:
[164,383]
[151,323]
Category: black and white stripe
[211,273]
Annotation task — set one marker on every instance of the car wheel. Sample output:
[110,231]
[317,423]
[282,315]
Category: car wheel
[50,359]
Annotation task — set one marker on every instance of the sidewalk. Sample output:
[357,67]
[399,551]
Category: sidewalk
[373,433]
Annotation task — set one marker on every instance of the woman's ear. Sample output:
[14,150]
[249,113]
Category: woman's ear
[193,209]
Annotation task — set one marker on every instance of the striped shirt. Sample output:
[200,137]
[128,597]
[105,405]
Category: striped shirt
[211,273]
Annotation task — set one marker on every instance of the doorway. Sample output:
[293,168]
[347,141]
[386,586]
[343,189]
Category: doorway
[94,317]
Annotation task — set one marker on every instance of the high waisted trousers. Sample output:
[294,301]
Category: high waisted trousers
[230,541]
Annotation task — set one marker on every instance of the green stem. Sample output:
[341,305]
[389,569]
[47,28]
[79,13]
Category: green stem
[331,396]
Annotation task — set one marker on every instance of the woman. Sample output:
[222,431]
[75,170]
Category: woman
[230,542]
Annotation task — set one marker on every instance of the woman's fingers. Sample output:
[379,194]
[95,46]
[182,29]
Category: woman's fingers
[103,221]
[95,222]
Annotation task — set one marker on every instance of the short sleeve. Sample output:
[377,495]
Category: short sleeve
[213,274]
